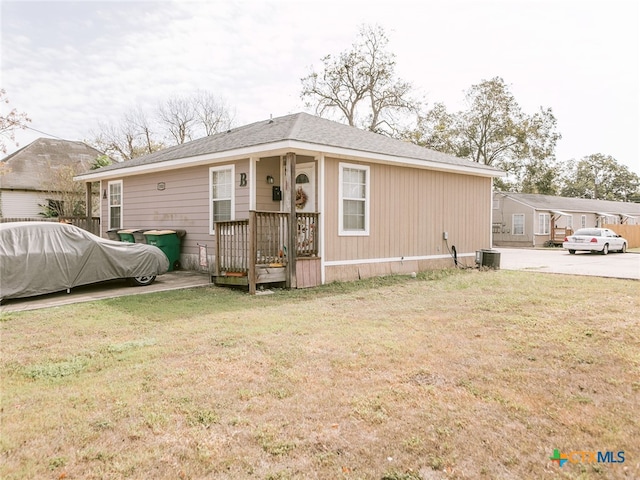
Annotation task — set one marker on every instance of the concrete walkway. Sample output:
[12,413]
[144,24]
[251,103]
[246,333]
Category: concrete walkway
[115,288]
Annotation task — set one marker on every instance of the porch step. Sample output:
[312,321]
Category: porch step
[264,274]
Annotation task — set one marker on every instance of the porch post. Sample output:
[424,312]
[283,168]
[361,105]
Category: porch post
[290,208]
[252,253]
[88,199]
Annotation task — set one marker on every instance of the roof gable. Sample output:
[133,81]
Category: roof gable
[306,129]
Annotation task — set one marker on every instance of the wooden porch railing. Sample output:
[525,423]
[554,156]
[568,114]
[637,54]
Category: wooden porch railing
[307,236]
[232,246]
[242,246]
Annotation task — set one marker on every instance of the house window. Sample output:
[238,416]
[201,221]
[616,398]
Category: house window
[54,207]
[354,199]
[115,204]
[543,223]
[517,227]
[570,222]
[221,187]
[583,221]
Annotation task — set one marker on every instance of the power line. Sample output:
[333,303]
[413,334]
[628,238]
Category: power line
[40,131]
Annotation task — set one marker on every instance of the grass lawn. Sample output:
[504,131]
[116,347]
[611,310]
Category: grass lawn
[454,374]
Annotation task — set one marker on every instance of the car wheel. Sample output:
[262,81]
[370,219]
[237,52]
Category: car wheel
[605,249]
[142,281]
[572,252]
[624,248]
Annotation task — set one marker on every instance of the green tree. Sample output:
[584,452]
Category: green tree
[361,86]
[101,161]
[494,130]
[601,177]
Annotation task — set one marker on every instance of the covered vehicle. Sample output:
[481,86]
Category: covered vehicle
[46,257]
[593,240]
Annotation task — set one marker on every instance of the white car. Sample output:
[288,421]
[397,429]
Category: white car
[594,240]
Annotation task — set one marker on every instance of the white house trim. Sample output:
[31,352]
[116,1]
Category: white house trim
[281,148]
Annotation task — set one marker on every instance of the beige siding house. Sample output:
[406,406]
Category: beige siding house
[304,200]
[532,220]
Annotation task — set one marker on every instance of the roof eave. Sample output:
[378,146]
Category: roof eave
[282,147]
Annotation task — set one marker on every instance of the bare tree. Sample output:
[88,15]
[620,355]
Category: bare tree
[132,137]
[361,84]
[67,197]
[9,122]
[213,113]
[177,120]
[178,115]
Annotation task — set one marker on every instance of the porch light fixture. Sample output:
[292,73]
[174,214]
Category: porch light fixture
[104,194]
[269,179]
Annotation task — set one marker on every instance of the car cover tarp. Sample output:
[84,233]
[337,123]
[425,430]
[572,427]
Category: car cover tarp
[43,255]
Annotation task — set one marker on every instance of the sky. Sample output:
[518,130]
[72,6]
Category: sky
[72,65]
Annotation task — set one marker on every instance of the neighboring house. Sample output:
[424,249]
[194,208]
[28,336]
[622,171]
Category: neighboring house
[531,220]
[27,185]
[362,204]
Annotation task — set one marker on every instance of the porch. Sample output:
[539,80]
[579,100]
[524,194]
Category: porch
[257,250]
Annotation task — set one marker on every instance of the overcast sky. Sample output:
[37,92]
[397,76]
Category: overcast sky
[70,65]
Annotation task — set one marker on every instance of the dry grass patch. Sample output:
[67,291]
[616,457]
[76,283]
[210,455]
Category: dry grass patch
[450,375]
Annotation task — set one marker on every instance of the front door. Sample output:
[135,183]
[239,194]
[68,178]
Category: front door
[305,188]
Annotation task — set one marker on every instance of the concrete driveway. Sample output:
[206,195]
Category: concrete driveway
[550,260]
[116,288]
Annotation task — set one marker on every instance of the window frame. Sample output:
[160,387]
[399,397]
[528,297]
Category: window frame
[110,205]
[342,231]
[232,213]
[513,223]
[544,226]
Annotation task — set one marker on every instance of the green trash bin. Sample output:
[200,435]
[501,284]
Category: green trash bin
[169,242]
[127,235]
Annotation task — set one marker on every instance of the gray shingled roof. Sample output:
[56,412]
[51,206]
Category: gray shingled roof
[300,127]
[568,204]
[29,167]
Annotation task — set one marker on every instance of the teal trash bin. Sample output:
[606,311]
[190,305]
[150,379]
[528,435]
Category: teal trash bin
[127,235]
[169,242]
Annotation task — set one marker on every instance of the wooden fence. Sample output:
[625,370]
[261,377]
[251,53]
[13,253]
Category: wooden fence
[630,232]
[89,224]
